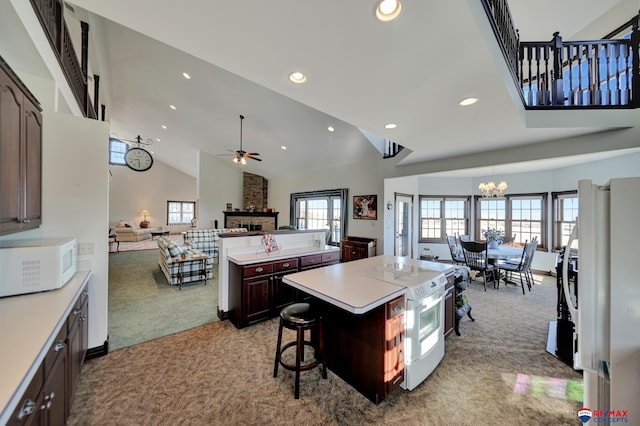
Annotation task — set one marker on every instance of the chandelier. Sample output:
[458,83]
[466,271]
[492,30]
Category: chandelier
[491,190]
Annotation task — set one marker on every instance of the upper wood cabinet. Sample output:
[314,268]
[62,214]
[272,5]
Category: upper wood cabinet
[20,155]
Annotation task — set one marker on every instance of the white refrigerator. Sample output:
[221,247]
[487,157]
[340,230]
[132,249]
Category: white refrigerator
[607,309]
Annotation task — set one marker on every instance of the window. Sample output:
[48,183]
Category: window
[117,150]
[321,210]
[443,215]
[523,215]
[180,212]
[565,212]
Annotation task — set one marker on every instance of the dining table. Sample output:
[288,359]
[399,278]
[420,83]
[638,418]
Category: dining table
[504,253]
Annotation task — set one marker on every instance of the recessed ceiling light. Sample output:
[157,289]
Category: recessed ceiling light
[388,10]
[297,77]
[187,76]
[172,107]
[164,127]
[157,139]
[468,101]
[283,147]
[331,129]
[390,126]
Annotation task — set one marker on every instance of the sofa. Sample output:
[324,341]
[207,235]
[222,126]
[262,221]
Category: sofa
[206,240]
[168,254]
[127,231]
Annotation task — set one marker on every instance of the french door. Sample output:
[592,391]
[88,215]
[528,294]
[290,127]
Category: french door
[403,220]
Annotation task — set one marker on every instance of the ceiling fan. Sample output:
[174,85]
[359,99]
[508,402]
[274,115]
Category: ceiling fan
[240,156]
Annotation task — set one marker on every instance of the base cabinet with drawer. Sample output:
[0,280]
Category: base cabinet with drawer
[354,248]
[47,400]
[256,290]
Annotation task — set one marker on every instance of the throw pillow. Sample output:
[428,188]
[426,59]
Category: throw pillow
[126,225]
[174,249]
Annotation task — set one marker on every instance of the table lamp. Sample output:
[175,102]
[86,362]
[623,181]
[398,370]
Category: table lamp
[145,222]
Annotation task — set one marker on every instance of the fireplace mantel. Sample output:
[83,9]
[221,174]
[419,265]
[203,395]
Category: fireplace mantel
[250,217]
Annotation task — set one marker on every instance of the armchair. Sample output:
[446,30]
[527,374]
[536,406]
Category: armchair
[206,240]
[168,255]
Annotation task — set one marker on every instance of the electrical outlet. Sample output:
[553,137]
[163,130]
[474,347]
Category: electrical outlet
[86,248]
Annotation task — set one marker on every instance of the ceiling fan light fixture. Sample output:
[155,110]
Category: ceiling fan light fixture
[388,10]
[243,161]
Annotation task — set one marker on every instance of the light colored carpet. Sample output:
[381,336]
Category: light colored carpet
[143,306]
[496,373]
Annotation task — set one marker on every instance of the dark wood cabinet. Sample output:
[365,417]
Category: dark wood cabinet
[281,293]
[354,248]
[256,291]
[78,340]
[47,400]
[366,350]
[20,155]
[449,306]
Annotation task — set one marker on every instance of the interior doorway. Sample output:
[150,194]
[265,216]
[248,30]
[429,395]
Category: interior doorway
[403,220]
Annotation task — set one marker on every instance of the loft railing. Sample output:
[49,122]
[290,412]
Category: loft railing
[576,74]
[51,16]
[391,149]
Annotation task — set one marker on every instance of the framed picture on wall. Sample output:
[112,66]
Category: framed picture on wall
[365,207]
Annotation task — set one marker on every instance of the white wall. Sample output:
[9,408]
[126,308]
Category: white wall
[75,201]
[361,179]
[130,192]
[219,183]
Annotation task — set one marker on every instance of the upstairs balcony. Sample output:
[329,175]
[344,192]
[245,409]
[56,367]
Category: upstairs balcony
[558,74]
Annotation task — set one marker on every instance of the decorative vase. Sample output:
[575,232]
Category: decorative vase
[493,244]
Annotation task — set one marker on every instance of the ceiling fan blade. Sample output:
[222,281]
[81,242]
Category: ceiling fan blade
[254,158]
[252,153]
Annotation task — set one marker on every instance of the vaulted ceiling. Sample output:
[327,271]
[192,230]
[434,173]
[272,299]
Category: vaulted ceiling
[362,74]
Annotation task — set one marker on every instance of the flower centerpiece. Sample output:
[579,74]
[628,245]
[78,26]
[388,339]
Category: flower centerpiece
[493,236]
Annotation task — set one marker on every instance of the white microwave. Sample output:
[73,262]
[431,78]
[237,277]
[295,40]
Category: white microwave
[34,265]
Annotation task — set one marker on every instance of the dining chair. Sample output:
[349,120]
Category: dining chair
[510,267]
[456,251]
[523,265]
[530,255]
[509,240]
[463,237]
[475,257]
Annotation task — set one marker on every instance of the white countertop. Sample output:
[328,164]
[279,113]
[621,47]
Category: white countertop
[28,326]
[249,258]
[344,285]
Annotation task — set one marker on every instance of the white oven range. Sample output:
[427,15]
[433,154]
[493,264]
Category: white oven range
[423,328]
[423,316]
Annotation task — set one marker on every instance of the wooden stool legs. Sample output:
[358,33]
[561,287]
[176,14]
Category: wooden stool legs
[317,343]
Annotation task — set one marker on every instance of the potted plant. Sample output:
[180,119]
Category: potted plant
[493,236]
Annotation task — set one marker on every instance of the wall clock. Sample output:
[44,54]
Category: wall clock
[138,159]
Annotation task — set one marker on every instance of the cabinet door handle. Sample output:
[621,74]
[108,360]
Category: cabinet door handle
[260,269]
[285,265]
[59,346]
[27,408]
[26,220]
[76,311]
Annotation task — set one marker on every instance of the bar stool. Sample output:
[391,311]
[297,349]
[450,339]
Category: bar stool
[300,317]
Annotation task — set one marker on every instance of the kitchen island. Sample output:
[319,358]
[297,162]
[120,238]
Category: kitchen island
[363,320]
